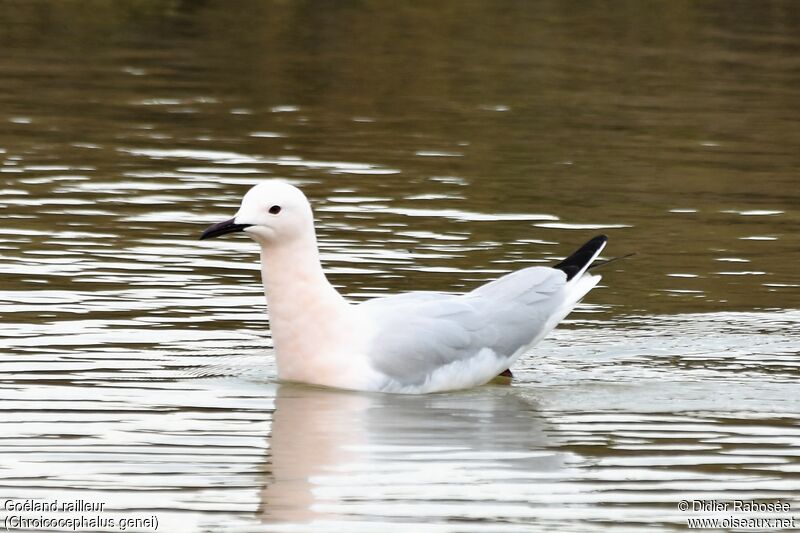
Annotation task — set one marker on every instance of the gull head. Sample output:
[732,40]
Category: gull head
[271,212]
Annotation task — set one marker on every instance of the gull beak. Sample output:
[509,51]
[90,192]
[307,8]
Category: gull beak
[226,226]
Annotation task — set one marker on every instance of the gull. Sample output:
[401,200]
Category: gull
[412,343]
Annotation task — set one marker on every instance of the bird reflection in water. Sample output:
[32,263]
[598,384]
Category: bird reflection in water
[336,453]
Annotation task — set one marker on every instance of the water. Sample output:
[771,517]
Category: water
[441,146]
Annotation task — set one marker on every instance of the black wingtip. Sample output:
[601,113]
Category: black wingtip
[580,260]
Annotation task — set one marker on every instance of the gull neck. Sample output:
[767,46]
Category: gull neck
[299,297]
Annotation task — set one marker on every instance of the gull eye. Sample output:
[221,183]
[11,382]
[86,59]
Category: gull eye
[275,209]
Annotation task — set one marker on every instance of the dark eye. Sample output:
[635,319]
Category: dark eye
[275,209]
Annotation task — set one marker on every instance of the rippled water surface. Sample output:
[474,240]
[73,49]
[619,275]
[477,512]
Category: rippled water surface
[441,145]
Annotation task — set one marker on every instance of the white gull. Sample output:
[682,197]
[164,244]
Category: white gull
[411,343]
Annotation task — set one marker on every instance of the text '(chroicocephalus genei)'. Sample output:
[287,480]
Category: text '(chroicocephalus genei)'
[411,343]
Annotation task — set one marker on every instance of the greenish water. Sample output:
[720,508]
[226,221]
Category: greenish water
[441,144]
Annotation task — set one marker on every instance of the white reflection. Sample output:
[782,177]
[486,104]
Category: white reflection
[332,452]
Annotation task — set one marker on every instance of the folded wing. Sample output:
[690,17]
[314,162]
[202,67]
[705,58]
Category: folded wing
[417,333]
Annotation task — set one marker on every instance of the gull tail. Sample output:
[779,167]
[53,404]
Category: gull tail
[579,262]
[579,280]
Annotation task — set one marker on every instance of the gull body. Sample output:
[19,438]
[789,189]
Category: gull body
[411,343]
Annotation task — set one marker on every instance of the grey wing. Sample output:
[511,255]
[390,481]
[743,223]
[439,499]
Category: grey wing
[422,331]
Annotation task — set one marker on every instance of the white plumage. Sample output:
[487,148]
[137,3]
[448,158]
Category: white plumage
[411,343]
